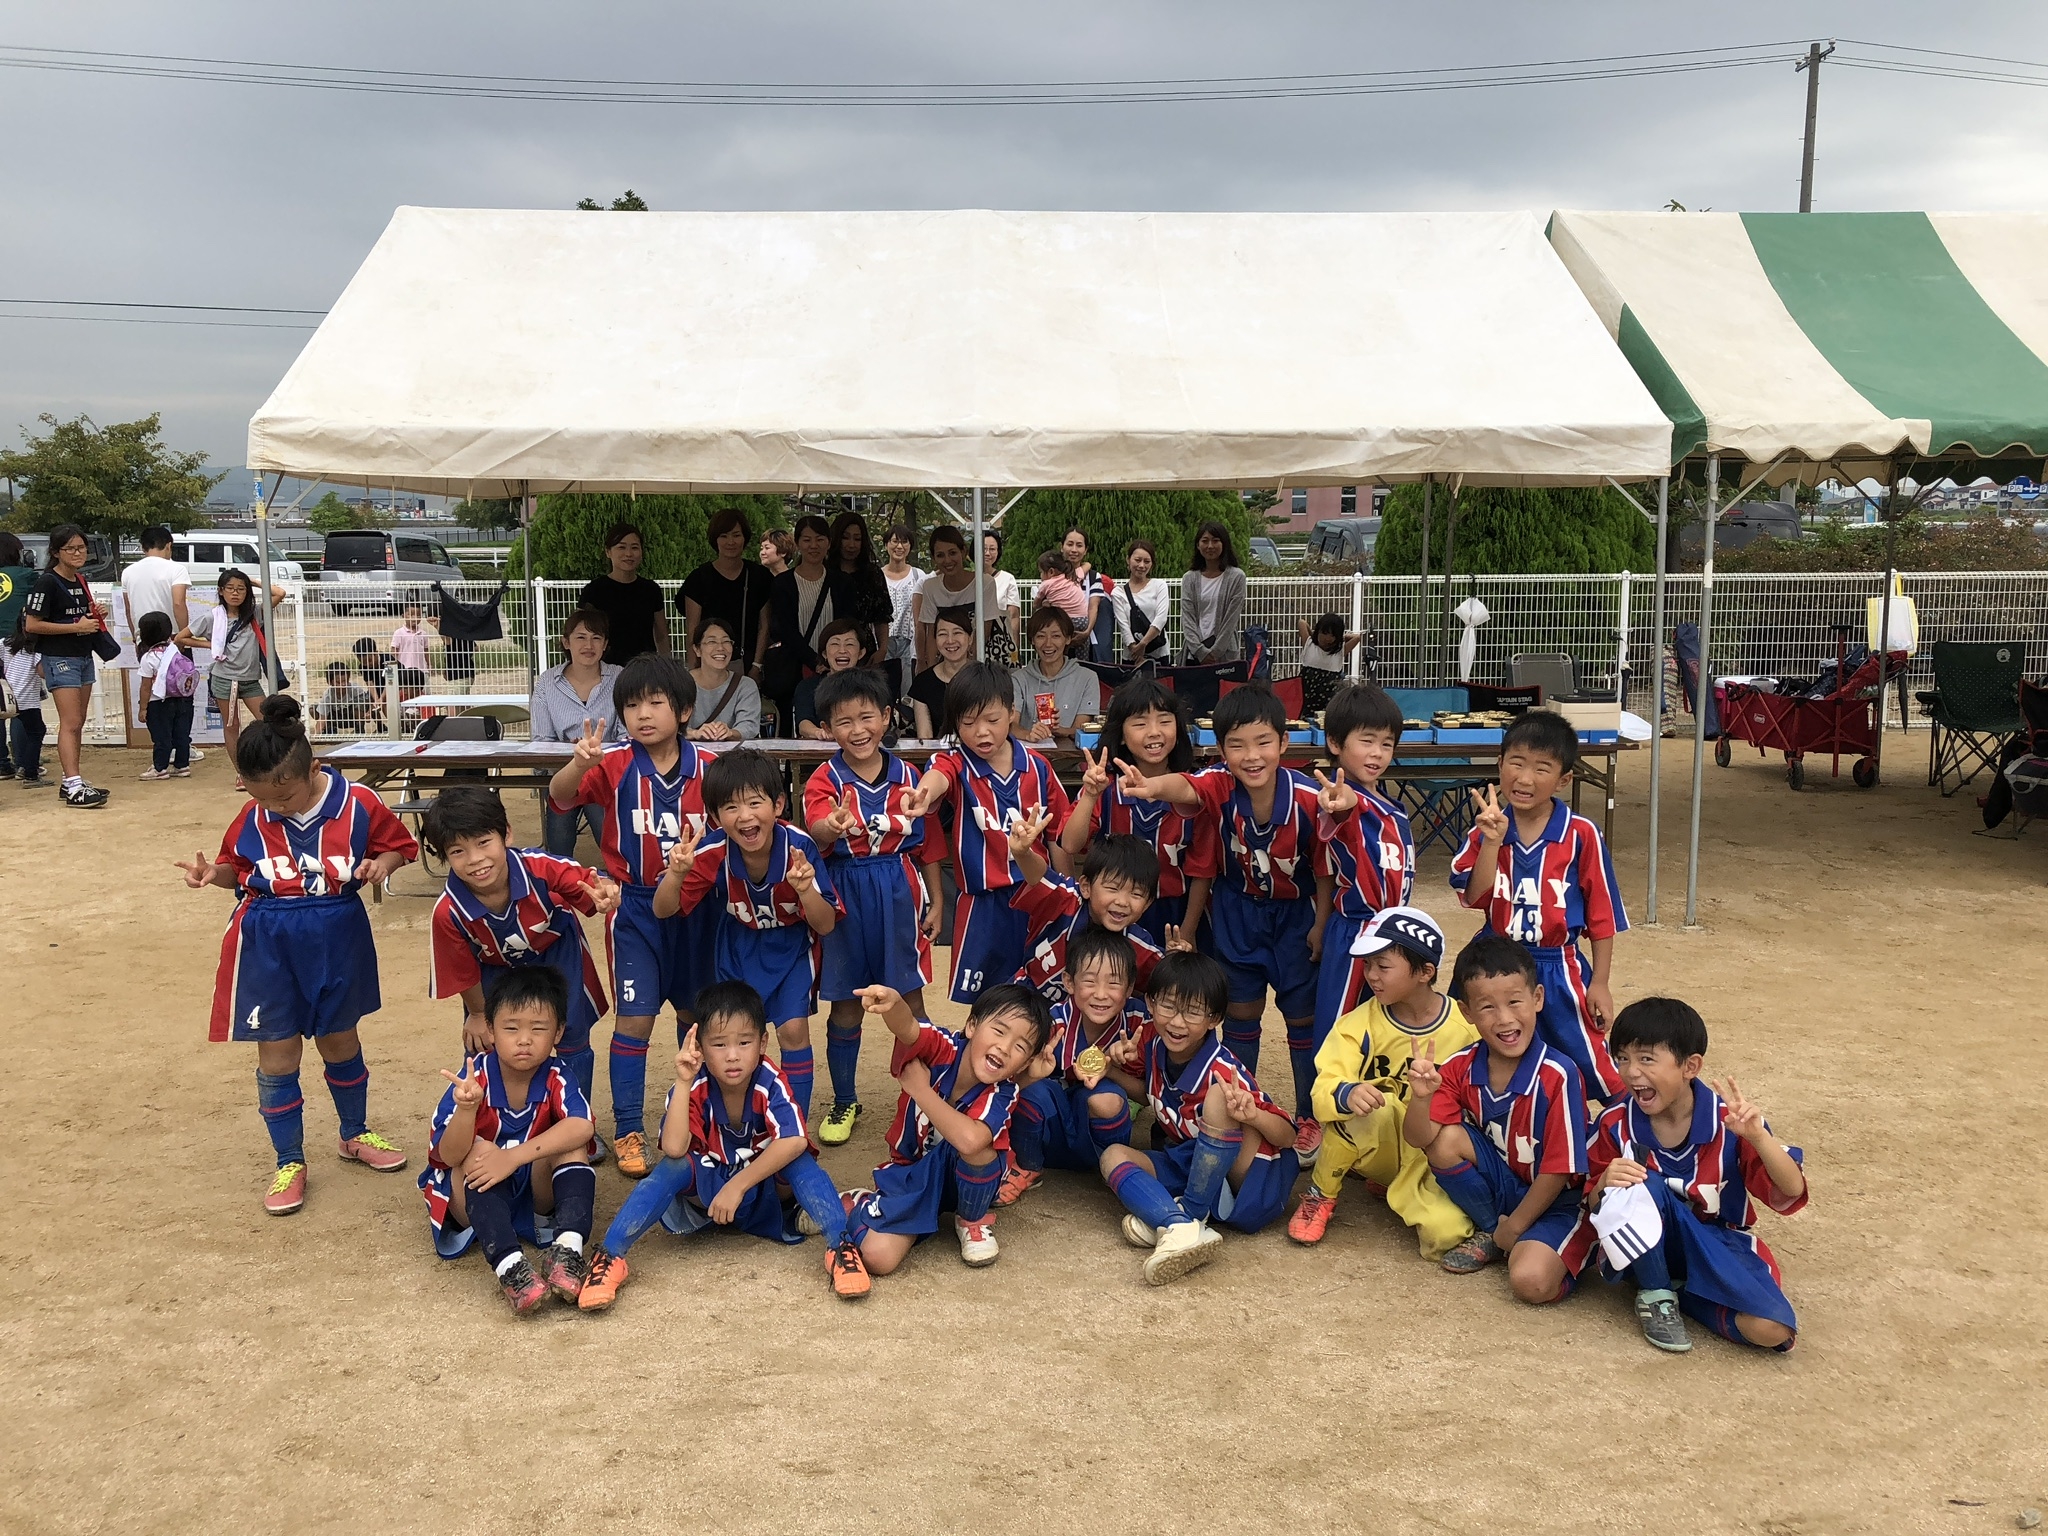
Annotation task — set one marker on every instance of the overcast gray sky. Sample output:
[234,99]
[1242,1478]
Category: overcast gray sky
[177,192]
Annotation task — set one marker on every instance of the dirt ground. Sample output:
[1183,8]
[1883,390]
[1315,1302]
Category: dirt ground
[1873,974]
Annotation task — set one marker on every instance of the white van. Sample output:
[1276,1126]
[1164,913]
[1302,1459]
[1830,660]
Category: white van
[207,553]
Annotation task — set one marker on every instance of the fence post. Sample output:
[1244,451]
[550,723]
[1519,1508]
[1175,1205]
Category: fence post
[393,717]
[1621,647]
[1356,653]
[537,617]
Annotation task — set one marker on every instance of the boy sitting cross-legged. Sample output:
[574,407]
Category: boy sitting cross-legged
[1068,1114]
[1229,1150]
[952,1124]
[1503,1123]
[1706,1156]
[1362,1083]
[509,1143]
[731,1135]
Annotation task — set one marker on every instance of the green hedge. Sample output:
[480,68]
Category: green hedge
[1508,532]
[568,532]
[1112,519]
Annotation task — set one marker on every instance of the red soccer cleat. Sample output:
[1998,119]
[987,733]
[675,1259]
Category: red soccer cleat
[1311,1218]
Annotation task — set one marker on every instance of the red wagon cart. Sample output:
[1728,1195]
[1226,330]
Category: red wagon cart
[1841,723]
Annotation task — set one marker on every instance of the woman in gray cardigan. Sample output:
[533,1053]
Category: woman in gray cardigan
[1212,600]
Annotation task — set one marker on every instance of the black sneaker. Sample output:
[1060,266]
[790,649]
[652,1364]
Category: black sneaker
[1663,1324]
[30,780]
[561,1270]
[85,796]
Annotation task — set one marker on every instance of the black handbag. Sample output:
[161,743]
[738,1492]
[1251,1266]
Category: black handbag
[787,663]
[104,645]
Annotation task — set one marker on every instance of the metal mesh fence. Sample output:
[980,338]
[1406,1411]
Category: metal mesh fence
[1776,625]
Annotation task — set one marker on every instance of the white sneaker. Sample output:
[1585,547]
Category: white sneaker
[807,1224]
[154,773]
[978,1247]
[1137,1234]
[1182,1248]
[198,756]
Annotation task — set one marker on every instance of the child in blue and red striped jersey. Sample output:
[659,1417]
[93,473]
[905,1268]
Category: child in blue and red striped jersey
[508,1147]
[884,863]
[1272,898]
[734,1153]
[1706,1155]
[952,1126]
[990,781]
[778,901]
[1068,1112]
[1503,1123]
[1371,850]
[1229,1153]
[1148,726]
[1113,890]
[298,961]
[1543,877]
[505,907]
[647,788]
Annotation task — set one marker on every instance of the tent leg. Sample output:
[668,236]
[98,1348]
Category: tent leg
[1422,592]
[536,653]
[981,575]
[1443,648]
[1657,691]
[271,683]
[1884,623]
[1700,700]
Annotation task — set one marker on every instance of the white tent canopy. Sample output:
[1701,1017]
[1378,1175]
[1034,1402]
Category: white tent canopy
[488,353]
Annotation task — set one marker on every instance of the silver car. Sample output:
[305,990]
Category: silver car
[380,570]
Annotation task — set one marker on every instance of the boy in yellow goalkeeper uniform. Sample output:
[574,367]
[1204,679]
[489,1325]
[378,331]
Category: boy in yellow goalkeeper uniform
[1361,1088]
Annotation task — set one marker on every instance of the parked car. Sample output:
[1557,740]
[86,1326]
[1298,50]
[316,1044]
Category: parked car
[379,570]
[1265,552]
[1344,538]
[1742,528]
[208,552]
[103,566]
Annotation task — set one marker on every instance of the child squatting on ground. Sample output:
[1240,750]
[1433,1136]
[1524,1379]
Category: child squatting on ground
[508,1147]
[297,961]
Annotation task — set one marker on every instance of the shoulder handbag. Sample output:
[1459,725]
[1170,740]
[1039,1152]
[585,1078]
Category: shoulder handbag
[104,645]
[785,664]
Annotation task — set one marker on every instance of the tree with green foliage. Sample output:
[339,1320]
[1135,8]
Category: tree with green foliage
[1983,543]
[630,202]
[1540,531]
[115,480]
[487,514]
[330,514]
[568,532]
[1113,518]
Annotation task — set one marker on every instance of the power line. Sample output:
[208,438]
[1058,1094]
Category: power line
[244,325]
[979,94]
[231,309]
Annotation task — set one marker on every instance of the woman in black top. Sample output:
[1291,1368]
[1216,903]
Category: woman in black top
[634,604]
[860,591]
[62,620]
[731,589]
[799,607]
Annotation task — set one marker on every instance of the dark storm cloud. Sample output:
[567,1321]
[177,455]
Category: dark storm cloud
[161,190]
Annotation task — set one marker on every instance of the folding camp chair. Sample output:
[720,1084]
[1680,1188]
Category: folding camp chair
[1287,690]
[1552,671]
[1975,707]
[414,802]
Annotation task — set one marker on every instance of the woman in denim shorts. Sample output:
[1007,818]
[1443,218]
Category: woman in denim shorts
[62,621]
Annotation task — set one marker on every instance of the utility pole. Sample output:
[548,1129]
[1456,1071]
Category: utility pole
[1811,64]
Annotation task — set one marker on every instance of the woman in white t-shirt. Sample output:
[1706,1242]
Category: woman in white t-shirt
[1008,601]
[950,586]
[904,581]
[1142,605]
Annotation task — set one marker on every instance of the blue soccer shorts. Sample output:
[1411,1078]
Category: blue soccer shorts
[879,941]
[1265,944]
[991,939]
[651,957]
[1254,1204]
[1340,979]
[295,967]
[1567,1024]
[779,963]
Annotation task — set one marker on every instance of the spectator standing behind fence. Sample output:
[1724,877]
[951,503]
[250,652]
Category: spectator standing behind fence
[954,639]
[1141,606]
[409,645]
[566,700]
[347,708]
[728,701]
[730,588]
[156,583]
[1098,625]
[799,606]
[777,552]
[903,580]
[1052,689]
[1057,588]
[1324,650]
[1010,630]
[633,604]
[951,585]
[1212,600]
[839,650]
[859,590]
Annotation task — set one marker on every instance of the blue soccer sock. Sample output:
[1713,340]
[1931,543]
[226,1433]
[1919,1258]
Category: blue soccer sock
[1215,1151]
[818,1196]
[575,1202]
[582,1065]
[490,1217]
[842,1060]
[1144,1196]
[283,1109]
[797,1062]
[1109,1130]
[665,1182]
[629,1084]
[1241,1036]
[1470,1192]
[1027,1134]
[349,1083]
[974,1188]
[1301,1054]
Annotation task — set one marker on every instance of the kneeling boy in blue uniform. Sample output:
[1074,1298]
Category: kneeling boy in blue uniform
[1067,1115]
[1706,1156]
[1114,891]
[1229,1152]
[731,1130]
[508,1146]
[952,1124]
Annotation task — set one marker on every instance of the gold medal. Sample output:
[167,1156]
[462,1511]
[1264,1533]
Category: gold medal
[1091,1063]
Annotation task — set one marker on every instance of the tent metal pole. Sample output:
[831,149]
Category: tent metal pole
[1443,647]
[981,575]
[1422,592]
[1884,621]
[1702,698]
[271,682]
[1657,694]
[536,653]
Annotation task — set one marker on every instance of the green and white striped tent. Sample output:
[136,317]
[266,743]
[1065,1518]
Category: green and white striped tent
[1842,344]
[1813,346]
